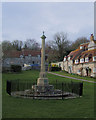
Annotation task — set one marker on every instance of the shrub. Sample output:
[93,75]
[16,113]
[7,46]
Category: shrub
[16,68]
[6,69]
[54,69]
[53,65]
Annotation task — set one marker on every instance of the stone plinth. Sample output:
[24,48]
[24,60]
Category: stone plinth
[42,81]
[47,89]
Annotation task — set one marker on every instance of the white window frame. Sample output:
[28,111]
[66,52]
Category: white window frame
[76,61]
[64,58]
[86,59]
[94,58]
[68,58]
[81,47]
[82,60]
[94,70]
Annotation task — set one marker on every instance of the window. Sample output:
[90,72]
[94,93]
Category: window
[29,55]
[59,65]
[86,59]
[64,58]
[78,71]
[21,56]
[69,58]
[81,60]
[94,58]
[94,70]
[81,47]
[38,56]
[7,62]
[76,61]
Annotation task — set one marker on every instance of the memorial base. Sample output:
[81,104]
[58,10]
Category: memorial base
[47,89]
[42,82]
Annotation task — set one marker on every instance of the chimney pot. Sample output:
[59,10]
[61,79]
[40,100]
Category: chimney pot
[92,37]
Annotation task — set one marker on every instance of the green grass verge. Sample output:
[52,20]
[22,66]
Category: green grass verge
[82,107]
[74,75]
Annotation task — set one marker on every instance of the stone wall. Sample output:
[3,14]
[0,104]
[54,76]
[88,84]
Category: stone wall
[80,69]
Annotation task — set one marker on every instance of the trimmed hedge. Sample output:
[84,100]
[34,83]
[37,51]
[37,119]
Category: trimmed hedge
[16,68]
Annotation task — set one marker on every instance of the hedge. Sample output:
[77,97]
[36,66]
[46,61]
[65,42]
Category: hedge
[16,68]
[54,68]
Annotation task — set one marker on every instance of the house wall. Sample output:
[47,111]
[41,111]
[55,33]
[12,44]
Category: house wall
[80,69]
[7,62]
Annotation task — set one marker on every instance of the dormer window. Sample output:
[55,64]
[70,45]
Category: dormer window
[94,58]
[81,47]
[64,58]
[68,58]
[86,59]
[76,61]
[82,60]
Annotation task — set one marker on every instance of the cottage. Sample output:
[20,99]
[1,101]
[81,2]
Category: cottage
[82,61]
[24,57]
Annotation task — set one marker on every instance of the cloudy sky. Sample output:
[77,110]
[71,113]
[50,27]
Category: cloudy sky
[23,20]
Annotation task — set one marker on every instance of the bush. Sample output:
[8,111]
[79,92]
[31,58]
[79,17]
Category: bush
[16,68]
[54,68]
[6,69]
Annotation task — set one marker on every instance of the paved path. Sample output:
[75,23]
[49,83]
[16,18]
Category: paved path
[71,77]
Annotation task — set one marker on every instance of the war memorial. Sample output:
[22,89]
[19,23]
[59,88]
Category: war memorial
[42,89]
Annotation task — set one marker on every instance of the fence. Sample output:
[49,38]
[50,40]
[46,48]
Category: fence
[18,85]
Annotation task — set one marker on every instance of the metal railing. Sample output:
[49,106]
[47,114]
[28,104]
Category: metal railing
[19,85]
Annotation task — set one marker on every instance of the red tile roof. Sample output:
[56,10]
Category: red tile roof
[75,53]
[17,54]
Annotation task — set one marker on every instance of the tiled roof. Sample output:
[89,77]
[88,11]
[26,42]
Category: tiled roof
[83,53]
[75,53]
[17,54]
[88,52]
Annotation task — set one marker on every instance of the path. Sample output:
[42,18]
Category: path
[72,77]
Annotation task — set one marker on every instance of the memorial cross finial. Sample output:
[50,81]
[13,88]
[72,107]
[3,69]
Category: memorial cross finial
[43,32]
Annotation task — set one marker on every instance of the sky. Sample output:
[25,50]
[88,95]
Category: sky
[25,20]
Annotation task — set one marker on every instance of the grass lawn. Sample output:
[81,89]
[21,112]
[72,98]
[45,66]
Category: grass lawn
[82,107]
[74,75]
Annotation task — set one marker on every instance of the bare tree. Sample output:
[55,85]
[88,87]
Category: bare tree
[17,44]
[61,44]
[7,45]
[31,44]
[58,47]
[79,41]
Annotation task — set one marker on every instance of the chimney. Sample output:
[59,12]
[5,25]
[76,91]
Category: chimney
[92,37]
